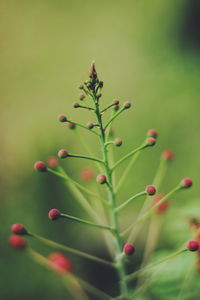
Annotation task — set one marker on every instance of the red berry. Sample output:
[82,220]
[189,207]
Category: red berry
[71,125]
[129,249]
[18,229]
[152,133]
[62,118]
[193,245]
[17,242]
[186,183]
[167,155]
[118,142]
[52,162]
[150,189]
[87,174]
[40,166]
[127,104]
[101,178]
[161,208]
[63,153]
[54,214]
[150,141]
[60,262]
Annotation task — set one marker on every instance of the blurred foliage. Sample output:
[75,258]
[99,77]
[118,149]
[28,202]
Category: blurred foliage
[46,47]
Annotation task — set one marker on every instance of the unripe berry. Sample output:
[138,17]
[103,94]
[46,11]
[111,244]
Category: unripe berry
[161,208]
[87,174]
[101,178]
[129,249]
[193,245]
[40,166]
[18,229]
[81,96]
[90,125]
[118,142]
[54,214]
[62,118]
[76,105]
[60,262]
[52,162]
[17,242]
[152,133]
[71,125]
[150,190]
[63,153]
[186,183]
[167,155]
[150,141]
[127,104]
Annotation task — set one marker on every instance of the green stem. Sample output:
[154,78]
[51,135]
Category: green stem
[67,178]
[130,200]
[149,267]
[69,280]
[106,108]
[70,250]
[85,157]
[126,171]
[113,216]
[69,217]
[114,116]
[128,155]
[83,126]
[151,209]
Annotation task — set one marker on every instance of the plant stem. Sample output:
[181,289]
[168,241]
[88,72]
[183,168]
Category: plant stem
[128,155]
[113,117]
[148,267]
[83,126]
[70,250]
[151,209]
[69,217]
[130,200]
[85,157]
[111,197]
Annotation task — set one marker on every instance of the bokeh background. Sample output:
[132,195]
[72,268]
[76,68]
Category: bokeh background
[146,52]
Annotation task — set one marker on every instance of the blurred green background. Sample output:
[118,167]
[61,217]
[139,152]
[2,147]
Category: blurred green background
[146,52]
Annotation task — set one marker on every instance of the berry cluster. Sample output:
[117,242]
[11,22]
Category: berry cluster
[119,242]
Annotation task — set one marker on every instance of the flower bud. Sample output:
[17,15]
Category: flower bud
[54,214]
[101,178]
[186,183]
[162,207]
[82,96]
[90,125]
[127,104]
[63,153]
[167,155]
[62,118]
[118,142]
[17,242]
[76,105]
[100,84]
[129,249]
[152,133]
[116,107]
[40,166]
[81,87]
[193,245]
[150,190]
[87,174]
[71,125]
[150,141]
[18,229]
[52,162]
[60,262]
